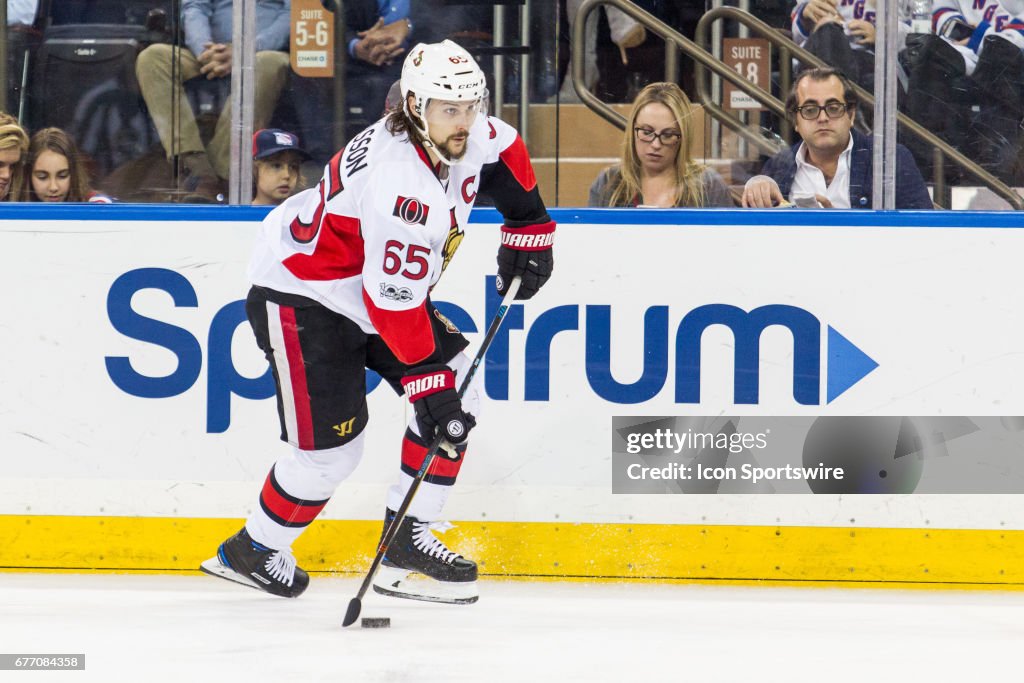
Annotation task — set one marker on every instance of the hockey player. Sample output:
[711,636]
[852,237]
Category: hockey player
[341,280]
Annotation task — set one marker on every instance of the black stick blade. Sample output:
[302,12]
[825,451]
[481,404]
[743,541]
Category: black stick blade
[354,607]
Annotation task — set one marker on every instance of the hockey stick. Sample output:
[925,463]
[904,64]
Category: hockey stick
[356,604]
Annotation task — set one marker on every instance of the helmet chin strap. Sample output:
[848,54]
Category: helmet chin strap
[425,133]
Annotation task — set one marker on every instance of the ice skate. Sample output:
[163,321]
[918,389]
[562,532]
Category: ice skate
[418,566]
[243,560]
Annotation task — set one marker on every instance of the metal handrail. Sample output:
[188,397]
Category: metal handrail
[702,57]
[669,35]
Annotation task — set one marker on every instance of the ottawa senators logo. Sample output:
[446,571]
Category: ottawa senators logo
[452,241]
[449,326]
[411,210]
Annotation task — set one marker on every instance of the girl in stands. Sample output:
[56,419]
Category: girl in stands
[56,172]
[656,168]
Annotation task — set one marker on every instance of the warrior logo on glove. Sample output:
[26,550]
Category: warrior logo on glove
[431,390]
[526,252]
[455,427]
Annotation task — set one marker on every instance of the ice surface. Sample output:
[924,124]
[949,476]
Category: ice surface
[182,628]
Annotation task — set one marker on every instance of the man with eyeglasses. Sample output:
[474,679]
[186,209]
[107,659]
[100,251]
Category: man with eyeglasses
[832,167]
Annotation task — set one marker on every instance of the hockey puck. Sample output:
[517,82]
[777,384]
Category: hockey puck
[375,622]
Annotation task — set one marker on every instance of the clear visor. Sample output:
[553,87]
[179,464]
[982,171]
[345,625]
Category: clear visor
[453,113]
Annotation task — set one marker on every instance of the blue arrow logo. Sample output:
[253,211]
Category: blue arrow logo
[847,364]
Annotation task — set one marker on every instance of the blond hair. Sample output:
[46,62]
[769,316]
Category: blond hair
[13,136]
[689,174]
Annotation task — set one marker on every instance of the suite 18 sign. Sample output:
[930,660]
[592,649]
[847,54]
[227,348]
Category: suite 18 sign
[750,57]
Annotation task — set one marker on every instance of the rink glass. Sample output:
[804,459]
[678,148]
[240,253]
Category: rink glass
[75,69]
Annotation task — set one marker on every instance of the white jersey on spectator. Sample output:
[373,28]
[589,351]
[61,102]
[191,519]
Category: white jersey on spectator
[21,12]
[973,12]
[989,17]
[372,238]
[977,13]
[1007,22]
[848,10]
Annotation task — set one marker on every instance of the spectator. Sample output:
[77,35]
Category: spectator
[996,139]
[162,69]
[626,33]
[842,34]
[966,84]
[22,39]
[376,35]
[832,166]
[56,171]
[276,162]
[22,12]
[656,168]
[13,148]
[625,68]
[940,92]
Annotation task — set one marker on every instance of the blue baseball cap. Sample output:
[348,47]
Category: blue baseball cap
[270,141]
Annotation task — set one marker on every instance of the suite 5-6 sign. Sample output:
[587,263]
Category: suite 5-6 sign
[312,39]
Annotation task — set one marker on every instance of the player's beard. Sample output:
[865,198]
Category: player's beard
[445,149]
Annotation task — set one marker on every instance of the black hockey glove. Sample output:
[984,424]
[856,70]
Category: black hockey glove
[431,390]
[526,252]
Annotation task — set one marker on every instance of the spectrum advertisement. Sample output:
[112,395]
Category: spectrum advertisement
[129,357]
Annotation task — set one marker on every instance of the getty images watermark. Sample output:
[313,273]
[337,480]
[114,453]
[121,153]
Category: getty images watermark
[817,454]
[673,454]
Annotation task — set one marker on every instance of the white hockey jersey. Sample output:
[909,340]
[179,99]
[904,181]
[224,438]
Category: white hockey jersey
[848,10]
[375,234]
[973,12]
[1004,18]
[1006,21]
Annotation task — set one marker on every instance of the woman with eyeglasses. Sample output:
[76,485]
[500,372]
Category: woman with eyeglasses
[657,169]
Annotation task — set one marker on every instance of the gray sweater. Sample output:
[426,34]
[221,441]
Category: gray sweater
[715,191]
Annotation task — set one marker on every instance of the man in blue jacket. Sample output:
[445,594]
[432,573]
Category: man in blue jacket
[208,54]
[832,167]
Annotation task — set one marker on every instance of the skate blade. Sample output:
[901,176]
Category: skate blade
[214,567]
[396,583]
